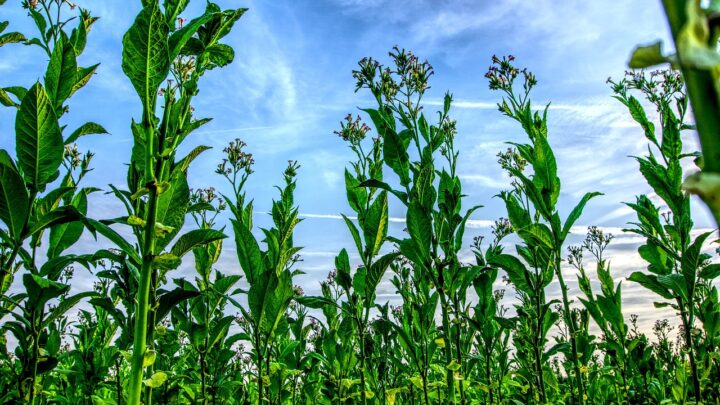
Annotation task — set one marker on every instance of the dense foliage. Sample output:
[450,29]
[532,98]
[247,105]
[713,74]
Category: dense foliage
[144,336]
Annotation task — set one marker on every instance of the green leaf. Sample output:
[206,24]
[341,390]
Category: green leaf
[375,274]
[195,238]
[146,57]
[65,305]
[676,283]
[342,266]
[179,38]
[58,216]
[545,167]
[355,233]
[219,55]
[12,38]
[710,271]
[83,77]
[171,299]
[691,260]
[184,164]
[514,268]
[6,100]
[87,128]
[65,235]
[651,283]
[356,196]
[647,56]
[519,218]
[96,226]
[638,113]
[315,302]
[166,261]
[38,144]
[248,252]
[149,358]
[419,224]
[375,224]
[396,156]
[575,214]
[14,201]
[60,77]
[43,290]
[171,208]
[173,8]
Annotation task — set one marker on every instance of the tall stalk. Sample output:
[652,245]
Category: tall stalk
[152,50]
[532,204]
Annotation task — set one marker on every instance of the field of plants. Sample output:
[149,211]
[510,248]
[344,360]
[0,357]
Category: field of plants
[246,334]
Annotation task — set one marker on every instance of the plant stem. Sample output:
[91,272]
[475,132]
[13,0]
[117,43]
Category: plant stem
[703,94]
[143,307]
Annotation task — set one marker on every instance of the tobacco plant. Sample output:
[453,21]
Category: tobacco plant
[491,328]
[40,196]
[674,255]
[268,272]
[694,30]
[605,308]
[157,197]
[434,218]
[146,336]
[371,207]
[532,210]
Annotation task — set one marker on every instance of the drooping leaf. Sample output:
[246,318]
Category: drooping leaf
[195,238]
[575,214]
[39,145]
[156,380]
[65,235]
[647,56]
[651,283]
[87,128]
[14,201]
[172,207]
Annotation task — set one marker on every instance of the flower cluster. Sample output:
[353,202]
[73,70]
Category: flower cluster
[575,256]
[501,228]
[207,196]
[502,74]
[236,160]
[411,76]
[660,87]
[353,131]
[413,73]
[596,241]
[511,160]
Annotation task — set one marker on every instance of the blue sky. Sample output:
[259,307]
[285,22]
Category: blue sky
[291,84]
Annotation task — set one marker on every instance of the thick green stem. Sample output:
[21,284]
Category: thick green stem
[703,94]
[143,307]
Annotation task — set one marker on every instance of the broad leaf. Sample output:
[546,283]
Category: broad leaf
[38,143]
[146,57]
[14,201]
